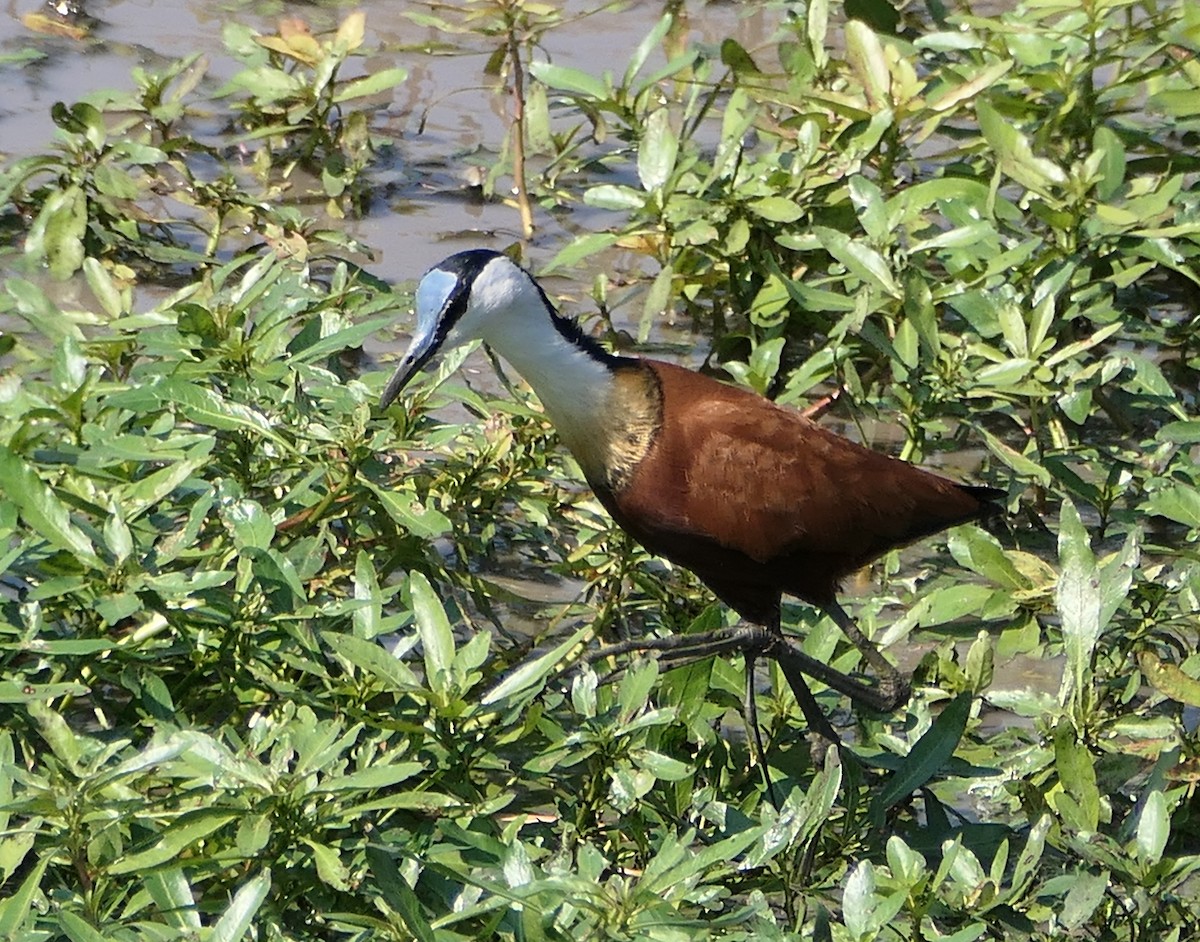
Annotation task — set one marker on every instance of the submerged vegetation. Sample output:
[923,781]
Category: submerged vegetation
[259,675]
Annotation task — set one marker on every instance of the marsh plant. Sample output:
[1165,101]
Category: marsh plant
[260,676]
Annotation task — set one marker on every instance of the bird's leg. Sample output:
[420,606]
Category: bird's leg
[893,688]
[752,640]
[677,648]
[794,663]
[750,715]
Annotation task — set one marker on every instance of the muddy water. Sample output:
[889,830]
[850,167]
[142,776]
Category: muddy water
[448,109]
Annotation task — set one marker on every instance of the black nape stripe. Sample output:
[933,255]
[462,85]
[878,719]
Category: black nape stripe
[571,330]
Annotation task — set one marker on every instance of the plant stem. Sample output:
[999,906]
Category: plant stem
[518,128]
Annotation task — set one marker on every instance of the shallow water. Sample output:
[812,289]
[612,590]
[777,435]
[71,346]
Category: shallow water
[446,111]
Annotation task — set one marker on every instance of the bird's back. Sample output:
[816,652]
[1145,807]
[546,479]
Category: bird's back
[757,499]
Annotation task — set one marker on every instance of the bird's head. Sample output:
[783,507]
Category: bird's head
[465,297]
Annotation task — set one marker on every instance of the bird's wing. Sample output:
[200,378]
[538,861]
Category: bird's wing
[735,468]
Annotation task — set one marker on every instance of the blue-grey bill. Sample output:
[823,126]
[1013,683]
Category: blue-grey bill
[434,296]
[410,365]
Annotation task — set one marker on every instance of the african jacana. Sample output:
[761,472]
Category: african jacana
[755,499]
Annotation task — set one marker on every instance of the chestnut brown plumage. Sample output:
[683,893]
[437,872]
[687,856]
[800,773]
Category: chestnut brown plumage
[757,500]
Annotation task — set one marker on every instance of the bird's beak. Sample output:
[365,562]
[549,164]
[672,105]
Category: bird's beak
[438,295]
[424,345]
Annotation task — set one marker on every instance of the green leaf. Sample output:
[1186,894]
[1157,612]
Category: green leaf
[135,152]
[677,862]
[1112,162]
[880,15]
[172,895]
[860,259]
[1116,577]
[199,404]
[657,151]
[236,922]
[661,766]
[149,491]
[530,674]
[41,510]
[1178,103]
[12,691]
[1074,349]
[41,313]
[1030,856]
[1077,596]
[437,639]
[649,43]
[734,55]
[865,909]
[634,692]
[816,29]
[117,538]
[317,346]
[1077,773]
[177,838]
[1153,828]
[1021,463]
[115,182]
[1177,501]
[1185,432]
[330,868]
[1016,155]
[370,656]
[372,777]
[381,81]
[398,894]
[973,234]
[253,834]
[918,307]
[1169,680]
[738,118]
[657,299]
[57,233]
[569,80]
[15,910]
[906,864]
[869,205]
[79,930]
[368,616]
[581,247]
[414,515]
[858,901]
[775,209]
[927,757]
[981,552]
[1085,894]
[1013,370]
[111,298]
[248,523]
[614,196]
[953,95]
[868,62]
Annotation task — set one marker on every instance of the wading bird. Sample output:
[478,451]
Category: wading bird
[755,499]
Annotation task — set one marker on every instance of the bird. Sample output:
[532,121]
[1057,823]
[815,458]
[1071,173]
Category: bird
[756,499]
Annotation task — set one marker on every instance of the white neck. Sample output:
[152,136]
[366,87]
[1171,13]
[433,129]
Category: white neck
[575,389]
